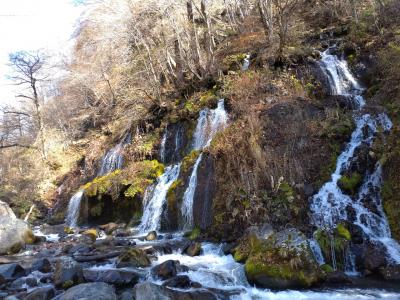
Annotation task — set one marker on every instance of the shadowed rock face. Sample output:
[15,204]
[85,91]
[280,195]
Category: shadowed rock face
[205,191]
[176,143]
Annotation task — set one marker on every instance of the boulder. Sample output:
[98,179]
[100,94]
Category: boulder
[44,293]
[94,290]
[110,227]
[133,257]
[118,278]
[194,249]
[67,273]
[42,265]
[12,271]
[338,278]
[91,233]
[282,261]
[165,270]
[151,291]
[14,233]
[151,236]
[374,256]
[181,282]
[391,273]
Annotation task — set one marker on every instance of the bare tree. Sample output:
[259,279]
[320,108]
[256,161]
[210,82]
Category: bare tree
[266,13]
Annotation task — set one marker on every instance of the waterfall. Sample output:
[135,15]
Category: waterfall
[317,252]
[246,63]
[329,205]
[113,159]
[187,204]
[208,124]
[162,148]
[73,209]
[154,201]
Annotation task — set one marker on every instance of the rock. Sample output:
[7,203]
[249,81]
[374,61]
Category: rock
[391,273]
[44,293]
[282,261]
[97,256]
[127,295]
[77,249]
[42,265]
[96,290]
[151,236]
[181,282]
[165,270]
[68,230]
[133,258]
[228,248]
[102,243]
[151,291]
[374,256]
[67,273]
[110,227]
[120,232]
[91,233]
[194,249]
[338,277]
[11,271]
[118,278]
[14,233]
[31,281]
[123,242]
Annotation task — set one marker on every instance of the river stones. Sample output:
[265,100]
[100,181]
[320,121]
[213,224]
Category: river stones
[118,278]
[151,236]
[42,265]
[181,282]
[165,270]
[194,249]
[67,273]
[95,290]
[133,257]
[11,271]
[44,293]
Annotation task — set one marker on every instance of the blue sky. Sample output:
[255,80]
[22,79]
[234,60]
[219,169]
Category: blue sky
[31,25]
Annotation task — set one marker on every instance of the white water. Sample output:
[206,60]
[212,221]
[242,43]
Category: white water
[113,160]
[316,250]
[73,209]
[162,148]
[154,201]
[187,203]
[329,204]
[246,63]
[214,270]
[208,124]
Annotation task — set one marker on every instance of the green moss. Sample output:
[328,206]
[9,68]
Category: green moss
[234,61]
[67,284]
[327,268]
[193,234]
[171,194]
[327,240]
[189,160]
[350,184]
[343,232]
[100,185]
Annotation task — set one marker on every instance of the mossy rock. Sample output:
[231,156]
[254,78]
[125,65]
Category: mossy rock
[133,257]
[91,233]
[343,232]
[234,62]
[283,261]
[29,237]
[350,183]
[68,230]
[327,268]
[193,234]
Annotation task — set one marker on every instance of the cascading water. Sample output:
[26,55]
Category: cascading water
[73,209]
[154,201]
[208,124]
[246,63]
[329,205]
[113,159]
[162,148]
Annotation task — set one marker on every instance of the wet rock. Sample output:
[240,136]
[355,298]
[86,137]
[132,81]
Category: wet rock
[67,273]
[151,291]
[14,233]
[2,280]
[181,282]
[91,233]
[42,265]
[97,256]
[31,281]
[123,242]
[165,270]
[127,295]
[103,243]
[194,249]
[118,278]
[121,233]
[97,290]
[374,256]
[391,273]
[110,227]
[228,248]
[44,293]
[338,277]
[11,271]
[282,261]
[151,236]
[133,257]
[77,249]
